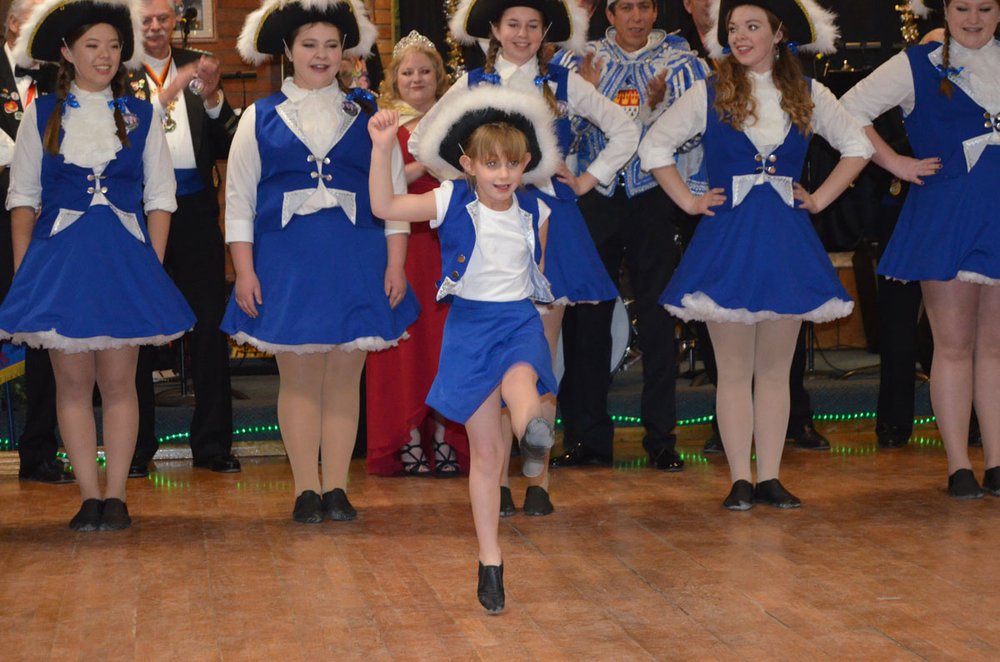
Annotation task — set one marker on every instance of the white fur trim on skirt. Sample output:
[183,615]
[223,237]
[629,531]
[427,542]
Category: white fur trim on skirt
[366,344]
[53,340]
[700,306]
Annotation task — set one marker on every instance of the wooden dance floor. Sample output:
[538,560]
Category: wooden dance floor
[879,564]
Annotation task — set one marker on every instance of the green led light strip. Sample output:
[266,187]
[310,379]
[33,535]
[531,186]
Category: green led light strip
[5,444]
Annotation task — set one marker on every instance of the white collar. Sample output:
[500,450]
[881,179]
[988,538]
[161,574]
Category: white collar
[655,40]
[296,94]
[83,95]
[506,68]
[962,54]
[156,64]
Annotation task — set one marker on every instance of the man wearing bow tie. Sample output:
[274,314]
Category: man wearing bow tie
[184,88]
[19,87]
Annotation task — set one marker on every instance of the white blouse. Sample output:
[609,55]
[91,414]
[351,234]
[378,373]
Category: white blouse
[319,128]
[688,117]
[159,186]
[582,99]
[891,84]
[500,261]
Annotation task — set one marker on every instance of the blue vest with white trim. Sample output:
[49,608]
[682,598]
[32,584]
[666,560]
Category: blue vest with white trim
[71,187]
[457,234]
[286,164]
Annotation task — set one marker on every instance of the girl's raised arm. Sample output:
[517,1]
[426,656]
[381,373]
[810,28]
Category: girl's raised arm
[386,204]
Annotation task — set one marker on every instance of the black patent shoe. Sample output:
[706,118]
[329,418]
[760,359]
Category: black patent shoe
[667,460]
[740,496]
[336,507]
[138,469]
[89,516]
[991,481]
[307,508]
[537,502]
[114,516]
[580,456]
[962,485]
[490,589]
[52,472]
[223,464]
[809,439]
[507,507]
[773,493]
[892,436]
[713,445]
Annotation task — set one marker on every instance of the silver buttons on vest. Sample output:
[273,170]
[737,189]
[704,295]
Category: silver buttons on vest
[761,159]
[320,162]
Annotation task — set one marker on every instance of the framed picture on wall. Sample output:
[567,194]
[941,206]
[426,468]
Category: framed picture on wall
[198,16]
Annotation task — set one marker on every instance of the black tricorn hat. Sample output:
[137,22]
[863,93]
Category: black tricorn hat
[266,28]
[566,23]
[44,32]
[804,22]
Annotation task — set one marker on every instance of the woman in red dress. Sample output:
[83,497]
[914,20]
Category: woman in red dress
[405,436]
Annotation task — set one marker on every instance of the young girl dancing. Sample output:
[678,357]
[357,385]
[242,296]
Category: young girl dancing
[755,267]
[948,235]
[492,241]
[519,33]
[91,193]
[310,257]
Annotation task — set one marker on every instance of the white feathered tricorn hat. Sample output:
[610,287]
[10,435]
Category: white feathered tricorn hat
[810,27]
[565,22]
[44,32]
[923,8]
[444,134]
[267,28]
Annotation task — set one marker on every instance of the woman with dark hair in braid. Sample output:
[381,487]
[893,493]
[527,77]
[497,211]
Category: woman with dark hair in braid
[92,190]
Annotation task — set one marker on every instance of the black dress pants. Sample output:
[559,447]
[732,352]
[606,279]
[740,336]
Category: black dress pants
[638,232]
[195,259]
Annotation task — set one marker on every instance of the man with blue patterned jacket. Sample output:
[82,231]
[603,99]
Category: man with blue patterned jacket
[644,71]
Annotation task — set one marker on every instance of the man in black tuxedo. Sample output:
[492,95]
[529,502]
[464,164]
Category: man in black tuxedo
[199,124]
[18,89]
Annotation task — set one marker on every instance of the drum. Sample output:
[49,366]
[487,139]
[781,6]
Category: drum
[621,340]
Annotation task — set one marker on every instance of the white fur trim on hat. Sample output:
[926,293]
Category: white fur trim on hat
[920,8]
[823,21]
[43,9]
[246,43]
[531,106]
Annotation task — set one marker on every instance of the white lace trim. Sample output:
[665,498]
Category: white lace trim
[978,279]
[53,340]
[366,344]
[700,306]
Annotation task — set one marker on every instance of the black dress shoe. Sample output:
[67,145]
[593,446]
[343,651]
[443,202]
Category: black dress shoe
[962,485]
[114,516]
[336,507]
[507,507]
[224,464]
[809,439]
[580,456]
[490,588]
[991,481]
[740,496]
[773,493]
[892,436]
[51,471]
[667,460]
[89,516]
[713,445]
[537,502]
[138,469]
[308,508]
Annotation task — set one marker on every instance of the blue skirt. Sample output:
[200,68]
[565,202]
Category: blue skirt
[949,228]
[760,261]
[92,287]
[572,263]
[322,282]
[482,341]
